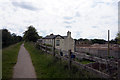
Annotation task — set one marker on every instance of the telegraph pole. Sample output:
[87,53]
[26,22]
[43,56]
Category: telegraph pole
[108,43]
[108,54]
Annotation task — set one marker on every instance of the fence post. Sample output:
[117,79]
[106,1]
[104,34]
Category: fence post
[54,48]
[40,46]
[70,61]
[119,70]
[53,51]
[60,56]
[46,48]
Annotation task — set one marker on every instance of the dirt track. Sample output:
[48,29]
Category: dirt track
[24,67]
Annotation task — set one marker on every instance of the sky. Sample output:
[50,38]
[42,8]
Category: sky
[84,18]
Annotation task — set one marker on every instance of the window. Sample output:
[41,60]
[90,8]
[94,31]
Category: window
[57,42]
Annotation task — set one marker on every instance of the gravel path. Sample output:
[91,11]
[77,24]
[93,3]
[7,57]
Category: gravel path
[24,67]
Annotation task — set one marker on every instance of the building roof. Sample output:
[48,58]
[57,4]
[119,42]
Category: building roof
[64,37]
[53,36]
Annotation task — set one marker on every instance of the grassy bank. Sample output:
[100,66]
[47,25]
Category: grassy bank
[47,66]
[9,59]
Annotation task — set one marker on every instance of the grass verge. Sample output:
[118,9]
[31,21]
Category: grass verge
[9,59]
[47,66]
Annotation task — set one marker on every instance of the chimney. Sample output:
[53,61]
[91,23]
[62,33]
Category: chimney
[69,34]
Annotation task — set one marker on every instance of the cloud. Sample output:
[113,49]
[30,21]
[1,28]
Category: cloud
[77,14]
[68,26]
[25,5]
[94,26]
[59,16]
[68,18]
[69,22]
[96,4]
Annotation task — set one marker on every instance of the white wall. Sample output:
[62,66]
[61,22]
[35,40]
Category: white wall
[65,44]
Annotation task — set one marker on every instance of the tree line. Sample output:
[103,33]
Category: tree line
[101,41]
[31,34]
[8,38]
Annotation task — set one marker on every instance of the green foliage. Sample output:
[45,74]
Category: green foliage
[84,61]
[84,40]
[110,57]
[114,41]
[47,45]
[47,66]
[37,46]
[92,41]
[31,34]
[118,37]
[99,41]
[9,59]
[87,53]
[8,38]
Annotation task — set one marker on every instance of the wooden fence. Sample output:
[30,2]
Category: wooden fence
[67,57]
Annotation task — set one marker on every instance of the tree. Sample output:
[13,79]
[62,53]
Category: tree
[118,37]
[99,41]
[31,34]
[114,41]
[8,38]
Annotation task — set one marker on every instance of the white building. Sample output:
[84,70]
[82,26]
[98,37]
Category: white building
[60,42]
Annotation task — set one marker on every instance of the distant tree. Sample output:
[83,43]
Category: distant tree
[14,38]
[86,41]
[99,41]
[40,37]
[114,41]
[19,38]
[31,34]
[118,37]
[75,39]
[81,39]
[8,38]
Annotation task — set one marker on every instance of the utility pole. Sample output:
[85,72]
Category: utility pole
[108,43]
[108,64]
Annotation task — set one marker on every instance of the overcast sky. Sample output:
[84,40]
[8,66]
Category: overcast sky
[84,18]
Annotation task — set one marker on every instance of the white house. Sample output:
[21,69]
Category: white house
[60,42]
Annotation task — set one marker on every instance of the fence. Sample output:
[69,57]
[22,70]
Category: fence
[67,57]
[99,52]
